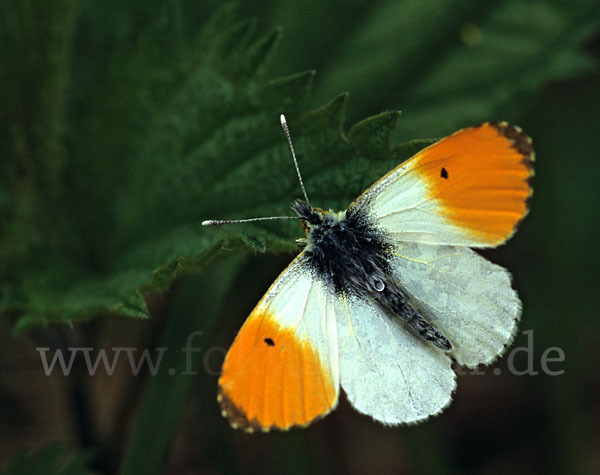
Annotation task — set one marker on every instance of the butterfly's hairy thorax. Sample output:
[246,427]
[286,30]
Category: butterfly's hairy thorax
[344,249]
[350,254]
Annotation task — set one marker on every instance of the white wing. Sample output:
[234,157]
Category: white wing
[469,299]
[387,372]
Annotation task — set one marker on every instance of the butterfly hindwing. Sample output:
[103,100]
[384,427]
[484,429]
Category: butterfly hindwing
[386,371]
[282,369]
[468,189]
[469,299]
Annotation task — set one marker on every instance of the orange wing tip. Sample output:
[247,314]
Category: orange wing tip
[492,166]
[272,379]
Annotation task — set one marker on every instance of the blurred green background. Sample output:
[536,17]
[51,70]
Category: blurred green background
[125,124]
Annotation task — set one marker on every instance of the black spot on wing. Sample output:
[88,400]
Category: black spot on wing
[269,342]
[444,173]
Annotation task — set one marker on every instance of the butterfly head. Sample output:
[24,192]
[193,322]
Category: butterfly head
[314,218]
[310,216]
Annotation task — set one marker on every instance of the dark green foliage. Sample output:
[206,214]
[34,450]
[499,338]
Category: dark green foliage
[445,64]
[54,459]
[166,395]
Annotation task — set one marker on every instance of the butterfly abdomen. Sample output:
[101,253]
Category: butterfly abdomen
[398,304]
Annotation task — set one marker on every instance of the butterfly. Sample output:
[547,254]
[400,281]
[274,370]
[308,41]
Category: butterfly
[388,293]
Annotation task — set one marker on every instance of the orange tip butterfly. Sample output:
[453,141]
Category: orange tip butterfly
[386,294]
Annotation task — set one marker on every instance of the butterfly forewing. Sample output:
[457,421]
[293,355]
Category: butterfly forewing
[469,189]
[282,369]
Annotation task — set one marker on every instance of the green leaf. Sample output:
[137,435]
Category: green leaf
[374,135]
[194,135]
[331,116]
[54,459]
[168,124]
[289,93]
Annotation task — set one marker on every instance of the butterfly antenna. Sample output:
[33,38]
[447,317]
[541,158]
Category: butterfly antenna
[218,222]
[289,139]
